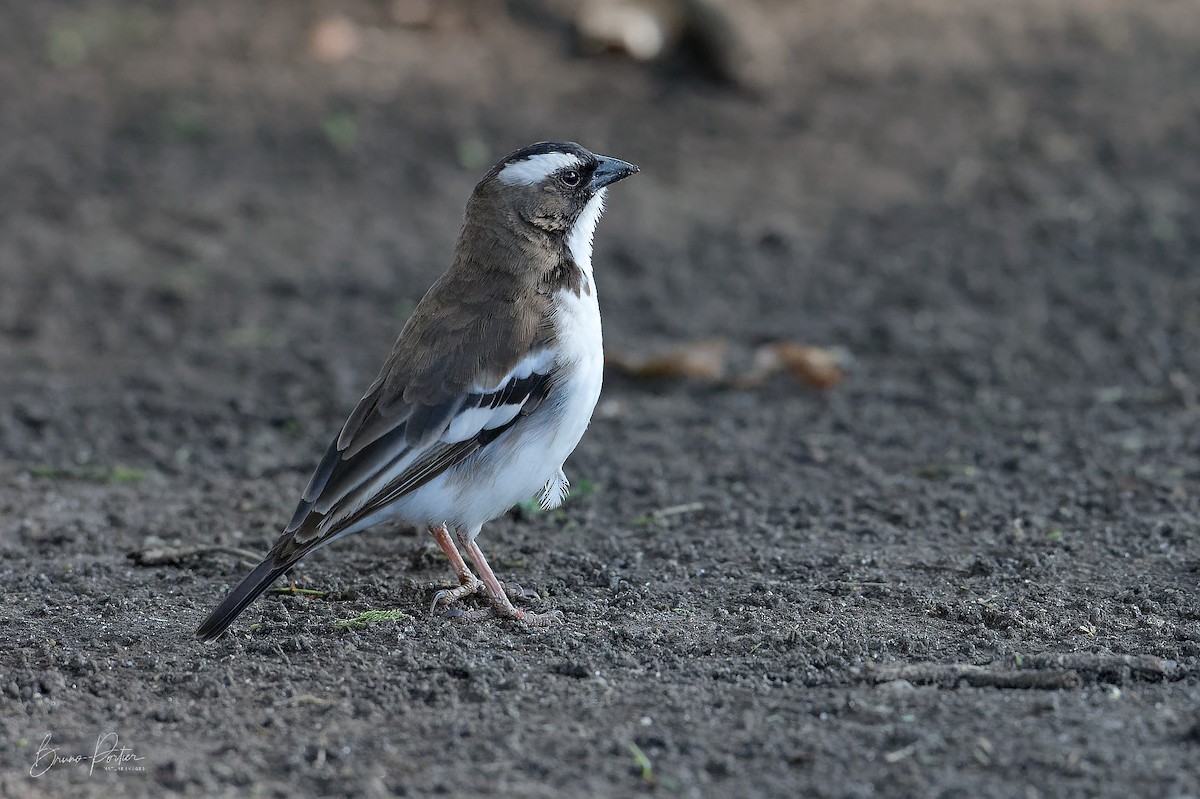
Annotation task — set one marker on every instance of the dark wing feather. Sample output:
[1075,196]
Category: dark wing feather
[247,591]
[343,491]
[451,455]
[348,469]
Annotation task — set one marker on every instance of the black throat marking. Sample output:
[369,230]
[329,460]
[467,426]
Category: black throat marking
[566,275]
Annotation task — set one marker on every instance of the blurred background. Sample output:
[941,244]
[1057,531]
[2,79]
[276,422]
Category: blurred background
[240,204]
[216,216]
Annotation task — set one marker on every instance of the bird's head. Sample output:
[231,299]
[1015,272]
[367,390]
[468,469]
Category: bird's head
[551,191]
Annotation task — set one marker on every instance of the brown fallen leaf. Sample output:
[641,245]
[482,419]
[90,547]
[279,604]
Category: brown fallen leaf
[818,367]
[708,361]
[704,359]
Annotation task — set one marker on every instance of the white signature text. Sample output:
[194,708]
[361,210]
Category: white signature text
[109,755]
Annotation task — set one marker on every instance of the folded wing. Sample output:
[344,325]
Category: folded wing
[386,450]
[400,447]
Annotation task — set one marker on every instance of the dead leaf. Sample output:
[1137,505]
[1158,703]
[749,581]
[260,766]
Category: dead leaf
[819,367]
[703,359]
[708,361]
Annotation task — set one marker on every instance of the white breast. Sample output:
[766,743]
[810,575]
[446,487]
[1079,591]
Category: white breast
[580,356]
[580,342]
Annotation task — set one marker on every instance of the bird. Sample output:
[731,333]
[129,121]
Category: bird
[488,388]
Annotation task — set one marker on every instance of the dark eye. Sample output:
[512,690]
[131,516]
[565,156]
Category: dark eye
[570,178]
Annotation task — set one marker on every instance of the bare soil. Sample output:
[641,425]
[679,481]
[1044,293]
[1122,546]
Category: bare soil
[970,570]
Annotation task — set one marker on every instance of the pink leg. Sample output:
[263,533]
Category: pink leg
[501,604]
[468,583]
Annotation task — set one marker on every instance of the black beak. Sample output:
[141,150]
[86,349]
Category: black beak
[610,170]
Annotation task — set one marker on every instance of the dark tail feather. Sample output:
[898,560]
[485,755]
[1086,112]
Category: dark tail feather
[247,591]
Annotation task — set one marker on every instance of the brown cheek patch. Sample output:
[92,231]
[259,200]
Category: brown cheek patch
[551,223]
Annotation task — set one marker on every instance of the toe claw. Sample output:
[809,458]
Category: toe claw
[448,596]
[516,590]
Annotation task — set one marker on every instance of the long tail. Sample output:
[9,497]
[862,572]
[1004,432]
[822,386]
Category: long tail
[247,591]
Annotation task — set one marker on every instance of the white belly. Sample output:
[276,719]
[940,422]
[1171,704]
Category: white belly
[520,462]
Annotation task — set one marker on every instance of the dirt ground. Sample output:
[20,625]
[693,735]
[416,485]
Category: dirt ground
[969,570]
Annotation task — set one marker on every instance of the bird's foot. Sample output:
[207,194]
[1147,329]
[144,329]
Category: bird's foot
[506,610]
[498,611]
[470,584]
[502,606]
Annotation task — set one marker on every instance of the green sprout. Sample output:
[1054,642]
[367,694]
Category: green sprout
[647,768]
[121,475]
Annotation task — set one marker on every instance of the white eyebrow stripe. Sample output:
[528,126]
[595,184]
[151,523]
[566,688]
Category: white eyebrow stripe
[536,168]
